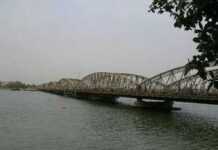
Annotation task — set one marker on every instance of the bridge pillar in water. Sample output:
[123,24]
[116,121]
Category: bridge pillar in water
[158,105]
[168,105]
[139,100]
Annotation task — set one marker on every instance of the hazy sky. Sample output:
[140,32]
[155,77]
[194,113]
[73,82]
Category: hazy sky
[42,40]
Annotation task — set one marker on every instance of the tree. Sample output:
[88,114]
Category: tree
[16,85]
[200,16]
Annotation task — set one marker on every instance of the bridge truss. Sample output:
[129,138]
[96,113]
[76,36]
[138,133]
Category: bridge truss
[105,81]
[175,84]
[178,81]
[175,81]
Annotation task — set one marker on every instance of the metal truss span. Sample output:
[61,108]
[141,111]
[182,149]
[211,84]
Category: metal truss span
[106,81]
[193,85]
[177,81]
[173,85]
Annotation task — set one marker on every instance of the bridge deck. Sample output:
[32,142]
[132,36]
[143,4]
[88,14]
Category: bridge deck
[204,99]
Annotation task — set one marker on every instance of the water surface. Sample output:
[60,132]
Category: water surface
[41,121]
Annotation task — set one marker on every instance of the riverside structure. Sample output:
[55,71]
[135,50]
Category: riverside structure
[172,85]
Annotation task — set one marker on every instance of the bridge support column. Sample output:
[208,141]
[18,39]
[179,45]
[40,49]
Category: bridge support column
[158,105]
[167,105]
[139,100]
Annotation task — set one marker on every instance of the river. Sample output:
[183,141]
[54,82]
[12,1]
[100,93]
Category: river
[42,121]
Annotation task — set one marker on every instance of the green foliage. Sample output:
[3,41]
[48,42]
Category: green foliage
[200,16]
[14,85]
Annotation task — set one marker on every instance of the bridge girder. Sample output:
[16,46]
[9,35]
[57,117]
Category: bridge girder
[193,85]
[111,81]
[161,81]
[169,83]
[176,81]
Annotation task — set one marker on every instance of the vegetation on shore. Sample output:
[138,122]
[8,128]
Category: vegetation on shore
[15,85]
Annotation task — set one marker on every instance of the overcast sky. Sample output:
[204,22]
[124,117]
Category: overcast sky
[42,40]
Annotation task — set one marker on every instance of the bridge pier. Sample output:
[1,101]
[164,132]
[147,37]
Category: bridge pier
[139,100]
[157,105]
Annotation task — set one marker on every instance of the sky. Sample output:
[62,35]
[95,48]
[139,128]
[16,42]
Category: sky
[46,40]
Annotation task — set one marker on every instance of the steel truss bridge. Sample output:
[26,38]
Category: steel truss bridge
[172,85]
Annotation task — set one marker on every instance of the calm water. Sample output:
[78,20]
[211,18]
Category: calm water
[40,121]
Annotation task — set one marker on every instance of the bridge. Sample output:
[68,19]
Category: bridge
[173,85]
